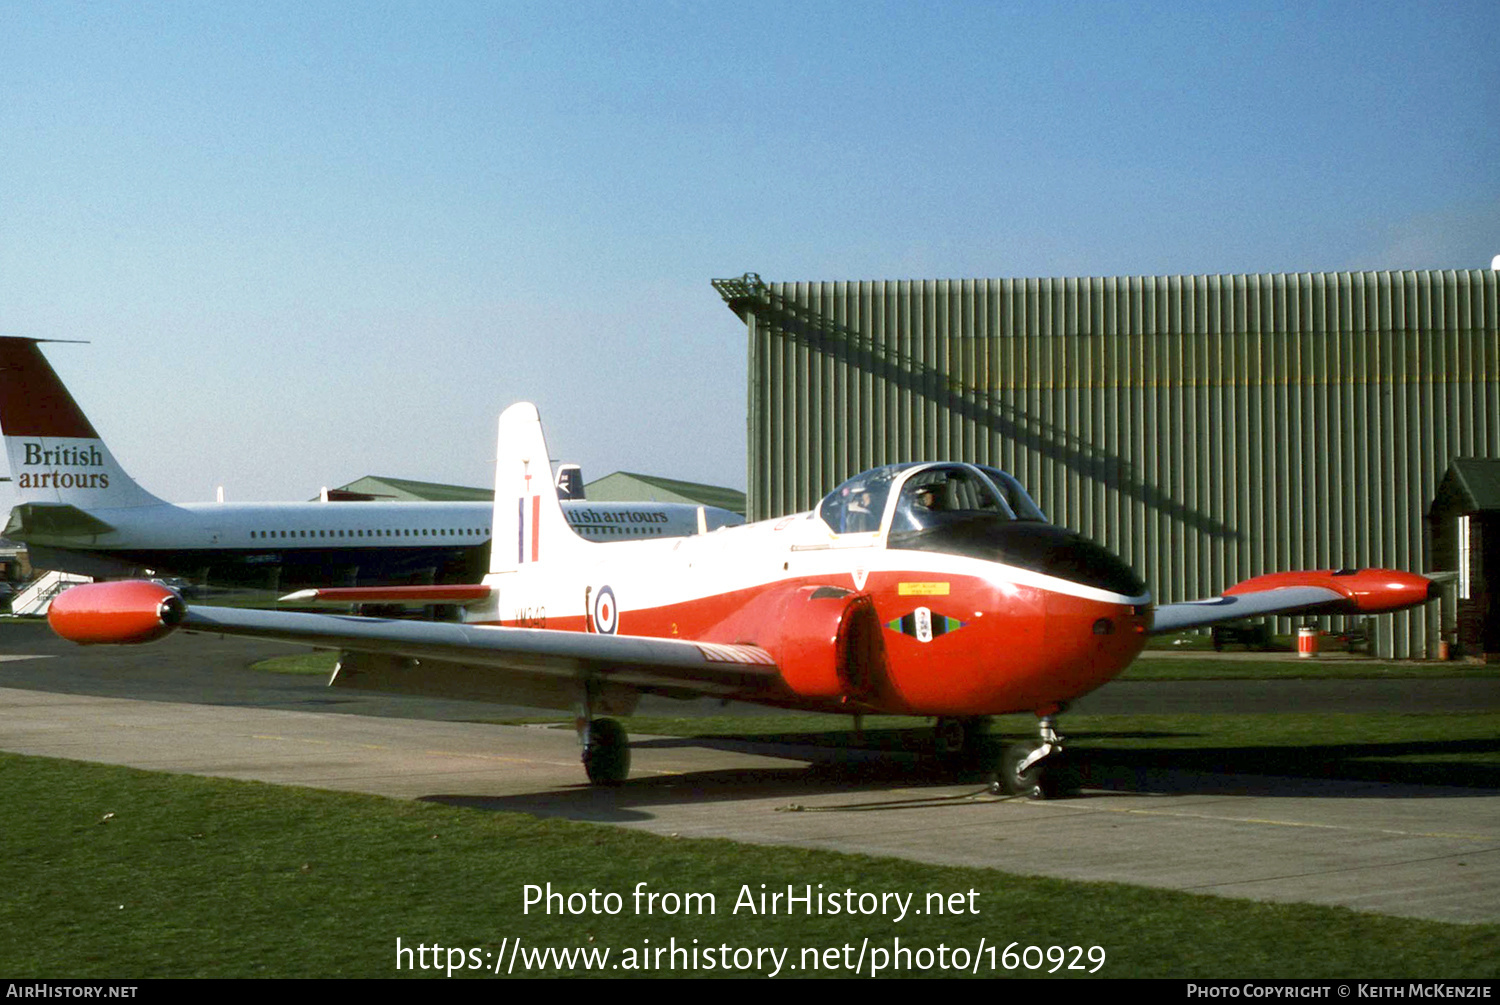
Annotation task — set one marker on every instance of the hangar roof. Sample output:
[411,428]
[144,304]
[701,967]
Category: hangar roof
[628,486]
[408,490]
[622,486]
[1472,485]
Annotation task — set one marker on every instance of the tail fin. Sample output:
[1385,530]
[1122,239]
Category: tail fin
[529,522]
[570,482]
[55,454]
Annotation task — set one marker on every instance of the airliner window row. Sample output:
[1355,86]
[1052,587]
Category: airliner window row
[267,535]
[261,535]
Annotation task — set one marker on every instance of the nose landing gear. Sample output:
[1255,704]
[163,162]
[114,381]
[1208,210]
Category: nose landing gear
[1036,769]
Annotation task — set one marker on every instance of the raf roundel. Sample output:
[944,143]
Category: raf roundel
[606,612]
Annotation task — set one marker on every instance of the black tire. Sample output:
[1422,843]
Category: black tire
[1014,781]
[950,737]
[1053,777]
[606,759]
[960,743]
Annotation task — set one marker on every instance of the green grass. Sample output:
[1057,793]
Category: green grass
[1210,667]
[206,877]
[318,663]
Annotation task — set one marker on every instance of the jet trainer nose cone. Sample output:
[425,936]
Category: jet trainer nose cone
[1067,555]
[1039,547]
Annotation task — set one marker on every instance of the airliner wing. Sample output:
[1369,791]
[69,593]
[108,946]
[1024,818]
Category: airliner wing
[1344,591]
[140,612]
[439,594]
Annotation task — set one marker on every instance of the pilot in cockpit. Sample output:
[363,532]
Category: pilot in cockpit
[927,498]
[920,505]
[860,516]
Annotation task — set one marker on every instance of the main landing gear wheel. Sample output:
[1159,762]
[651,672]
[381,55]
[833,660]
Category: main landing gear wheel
[606,752]
[960,742]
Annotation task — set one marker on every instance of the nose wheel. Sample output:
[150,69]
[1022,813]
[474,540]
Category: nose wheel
[1036,769]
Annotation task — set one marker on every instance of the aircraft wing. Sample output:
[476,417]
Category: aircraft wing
[126,612]
[442,594]
[1197,613]
[35,521]
[1342,591]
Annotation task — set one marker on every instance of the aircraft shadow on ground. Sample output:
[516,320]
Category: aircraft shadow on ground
[897,759]
[1441,767]
[819,773]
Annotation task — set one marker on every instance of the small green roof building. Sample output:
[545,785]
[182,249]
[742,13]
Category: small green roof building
[627,486]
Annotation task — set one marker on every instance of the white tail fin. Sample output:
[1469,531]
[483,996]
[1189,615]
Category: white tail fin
[55,455]
[529,523]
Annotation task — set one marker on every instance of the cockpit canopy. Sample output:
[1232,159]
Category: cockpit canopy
[973,511]
[927,496]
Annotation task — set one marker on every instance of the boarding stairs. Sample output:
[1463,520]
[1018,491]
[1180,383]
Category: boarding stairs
[36,596]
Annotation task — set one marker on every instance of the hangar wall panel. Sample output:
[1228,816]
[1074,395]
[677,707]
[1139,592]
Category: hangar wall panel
[1206,428]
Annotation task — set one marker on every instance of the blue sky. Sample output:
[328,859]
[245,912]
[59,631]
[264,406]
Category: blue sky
[313,241]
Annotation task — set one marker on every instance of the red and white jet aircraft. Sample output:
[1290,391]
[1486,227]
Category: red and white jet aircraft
[934,589]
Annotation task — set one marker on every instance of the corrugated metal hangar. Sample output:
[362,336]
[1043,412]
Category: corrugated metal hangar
[1205,428]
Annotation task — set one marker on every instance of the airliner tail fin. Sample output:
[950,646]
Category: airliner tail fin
[55,454]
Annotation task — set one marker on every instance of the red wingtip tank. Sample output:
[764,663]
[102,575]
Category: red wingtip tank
[115,613]
[1368,591]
